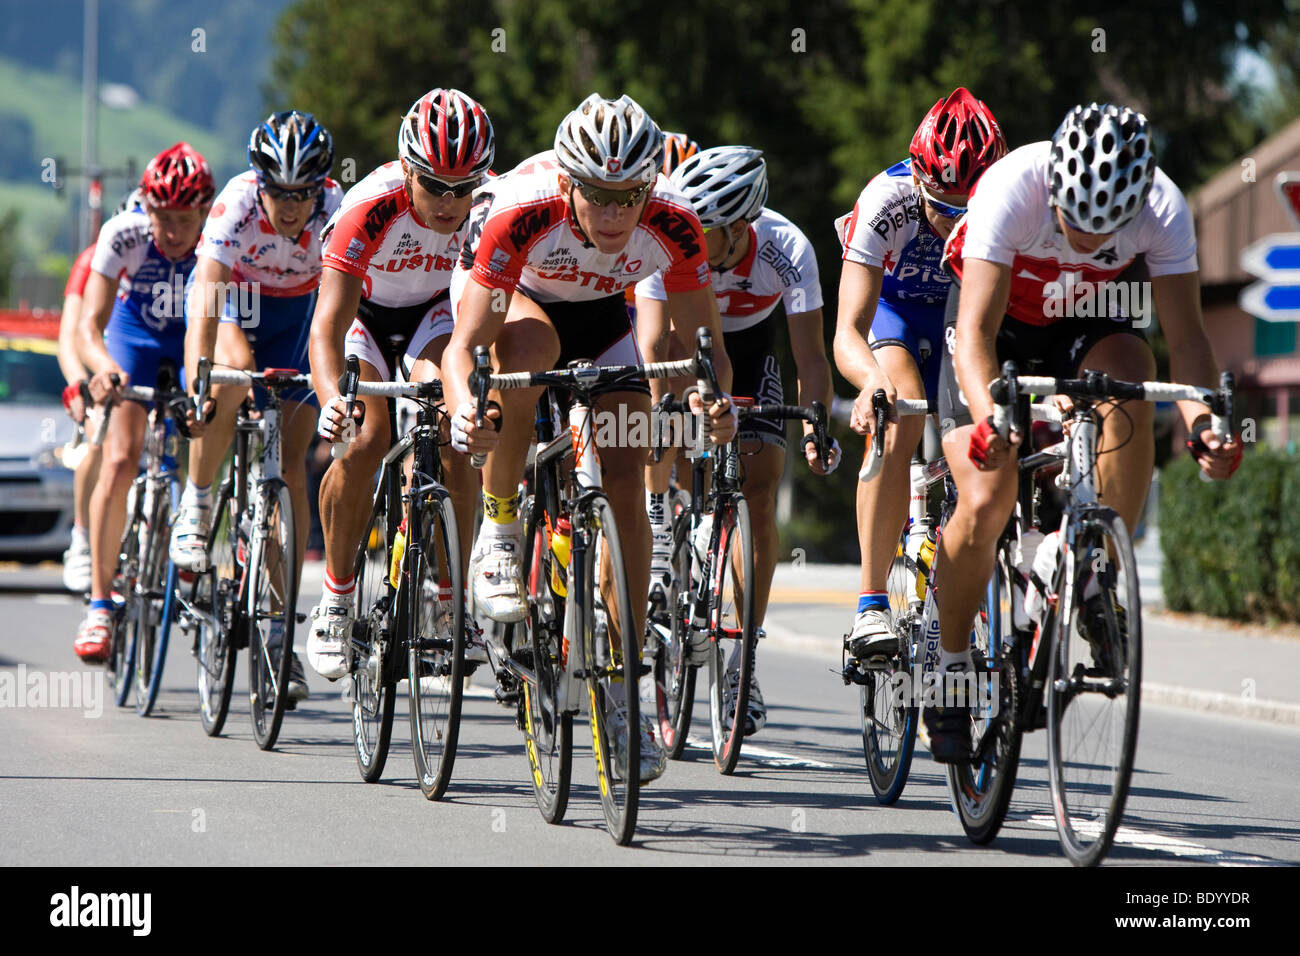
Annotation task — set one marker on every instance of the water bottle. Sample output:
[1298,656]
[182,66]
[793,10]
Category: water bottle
[925,560]
[169,446]
[700,538]
[399,549]
[561,545]
[1044,568]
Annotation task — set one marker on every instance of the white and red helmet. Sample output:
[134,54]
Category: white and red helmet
[610,141]
[448,135]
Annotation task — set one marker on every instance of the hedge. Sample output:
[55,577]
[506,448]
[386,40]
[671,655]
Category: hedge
[1232,549]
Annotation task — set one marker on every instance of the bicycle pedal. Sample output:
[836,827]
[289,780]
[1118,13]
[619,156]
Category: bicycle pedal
[300,617]
[507,697]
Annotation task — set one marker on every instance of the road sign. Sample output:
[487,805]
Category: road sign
[1288,188]
[1276,260]
[1273,303]
[1275,257]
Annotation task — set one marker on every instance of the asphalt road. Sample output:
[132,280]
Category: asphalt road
[80,788]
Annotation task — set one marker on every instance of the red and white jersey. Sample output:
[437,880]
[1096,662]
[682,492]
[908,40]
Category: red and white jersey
[1010,221]
[238,234]
[80,272]
[377,236]
[524,238]
[780,266]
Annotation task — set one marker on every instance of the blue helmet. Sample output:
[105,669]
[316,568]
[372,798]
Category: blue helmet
[291,149]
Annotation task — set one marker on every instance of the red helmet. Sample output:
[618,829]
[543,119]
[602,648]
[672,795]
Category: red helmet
[955,143]
[446,133]
[177,178]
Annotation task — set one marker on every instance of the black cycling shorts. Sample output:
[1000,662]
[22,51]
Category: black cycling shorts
[600,330]
[756,374]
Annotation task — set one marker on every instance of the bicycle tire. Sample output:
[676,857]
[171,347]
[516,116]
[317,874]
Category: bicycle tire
[548,733]
[607,663]
[889,718]
[158,579]
[272,599]
[436,644]
[216,593]
[121,657]
[372,694]
[674,674]
[731,617]
[1094,689]
[980,792]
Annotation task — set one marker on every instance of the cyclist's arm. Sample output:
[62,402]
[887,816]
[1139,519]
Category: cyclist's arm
[480,315]
[652,331]
[203,312]
[985,292]
[810,362]
[1191,356]
[860,286]
[96,310]
[69,355]
[336,307]
[698,309]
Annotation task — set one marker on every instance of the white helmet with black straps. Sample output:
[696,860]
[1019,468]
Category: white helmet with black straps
[724,184]
[1103,164]
[609,141]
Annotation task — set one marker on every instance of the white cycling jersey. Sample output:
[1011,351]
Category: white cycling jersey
[239,235]
[780,266]
[1011,221]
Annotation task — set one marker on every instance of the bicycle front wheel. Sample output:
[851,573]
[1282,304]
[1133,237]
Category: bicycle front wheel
[436,646]
[272,611]
[674,675]
[1094,688]
[121,658]
[215,604]
[157,584]
[731,629]
[612,665]
[372,690]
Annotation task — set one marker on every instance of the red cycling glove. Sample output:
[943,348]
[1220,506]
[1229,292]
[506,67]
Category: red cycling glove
[1200,451]
[979,441]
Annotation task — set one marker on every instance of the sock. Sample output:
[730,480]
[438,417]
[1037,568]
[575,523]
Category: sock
[199,496]
[80,536]
[500,510]
[656,508]
[338,590]
[873,599]
[948,658]
[102,604]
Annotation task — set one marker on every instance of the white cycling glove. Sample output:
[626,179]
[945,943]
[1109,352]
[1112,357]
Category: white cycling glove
[461,422]
[331,419]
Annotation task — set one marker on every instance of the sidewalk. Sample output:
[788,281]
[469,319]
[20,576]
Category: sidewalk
[1194,663]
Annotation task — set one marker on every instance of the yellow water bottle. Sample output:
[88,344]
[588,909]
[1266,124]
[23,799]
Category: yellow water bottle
[399,549]
[926,560]
[560,542]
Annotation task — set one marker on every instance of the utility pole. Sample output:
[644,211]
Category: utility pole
[90,222]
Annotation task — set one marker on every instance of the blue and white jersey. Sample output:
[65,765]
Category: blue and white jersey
[150,290]
[888,229]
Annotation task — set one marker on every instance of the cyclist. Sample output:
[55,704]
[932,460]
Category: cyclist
[757,259]
[264,234]
[1052,217]
[388,258]
[145,255]
[892,295]
[552,248]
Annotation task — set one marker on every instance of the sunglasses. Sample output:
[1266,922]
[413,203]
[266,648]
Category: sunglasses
[623,198]
[947,210]
[436,187]
[279,194]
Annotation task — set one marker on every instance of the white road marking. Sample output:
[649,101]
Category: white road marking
[1127,836]
[762,754]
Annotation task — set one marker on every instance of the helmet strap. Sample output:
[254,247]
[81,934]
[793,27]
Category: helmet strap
[573,219]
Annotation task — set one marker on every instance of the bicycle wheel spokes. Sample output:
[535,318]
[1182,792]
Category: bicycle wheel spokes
[121,660]
[436,645]
[1094,689]
[674,675]
[731,625]
[272,609]
[372,696]
[612,665]
[548,733]
[156,585]
[214,597]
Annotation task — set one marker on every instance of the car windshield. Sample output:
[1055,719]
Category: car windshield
[29,372]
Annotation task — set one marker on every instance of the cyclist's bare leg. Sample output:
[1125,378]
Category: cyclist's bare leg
[1125,473]
[297,426]
[207,453]
[118,469]
[883,502]
[968,545]
[457,472]
[763,464]
[658,475]
[83,483]
[623,475]
[349,482]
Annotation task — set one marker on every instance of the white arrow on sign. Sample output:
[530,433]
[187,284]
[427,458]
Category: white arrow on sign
[1276,260]
[1272,303]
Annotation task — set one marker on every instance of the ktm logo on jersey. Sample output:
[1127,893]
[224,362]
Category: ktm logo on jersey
[677,228]
[428,263]
[379,217]
[528,225]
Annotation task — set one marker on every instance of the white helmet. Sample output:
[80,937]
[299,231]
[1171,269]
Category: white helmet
[724,184]
[610,141]
[1102,166]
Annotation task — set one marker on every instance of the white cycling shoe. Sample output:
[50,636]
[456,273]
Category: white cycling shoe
[76,564]
[496,578]
[331,626]
[653,758]
[873,638]
[189,544]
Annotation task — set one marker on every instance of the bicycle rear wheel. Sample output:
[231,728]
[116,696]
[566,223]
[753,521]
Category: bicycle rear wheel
[436,646]
[548,733]
[1094,688]
[981,790]
[272,611]
[215,597]
[373,692]
[731,629]
[612,665]
[157,605]
[674,675]
[121,657]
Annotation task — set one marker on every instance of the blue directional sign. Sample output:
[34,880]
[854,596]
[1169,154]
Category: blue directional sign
[1276,260]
